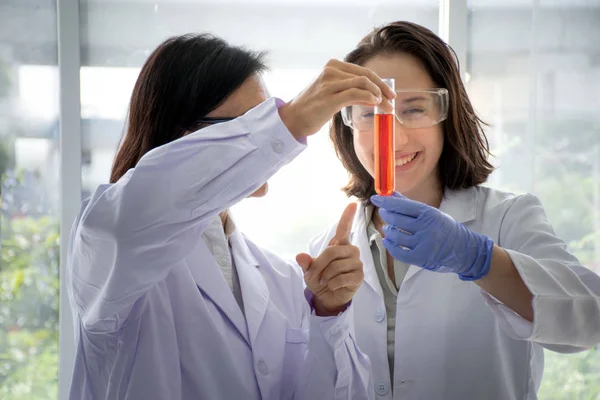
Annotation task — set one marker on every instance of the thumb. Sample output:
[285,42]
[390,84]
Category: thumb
[304,260]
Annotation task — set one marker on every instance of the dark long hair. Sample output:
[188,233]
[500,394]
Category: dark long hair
[184,79]
[463,162]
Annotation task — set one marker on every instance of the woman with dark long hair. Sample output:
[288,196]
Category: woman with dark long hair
[170,300]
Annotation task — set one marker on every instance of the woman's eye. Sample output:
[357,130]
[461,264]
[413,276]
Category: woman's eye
[413,111]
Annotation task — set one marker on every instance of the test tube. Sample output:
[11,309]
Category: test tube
[385,149]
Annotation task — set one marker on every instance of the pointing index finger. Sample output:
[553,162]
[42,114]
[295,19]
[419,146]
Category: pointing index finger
[344,227]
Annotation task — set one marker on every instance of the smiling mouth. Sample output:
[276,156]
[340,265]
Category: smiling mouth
[406,159]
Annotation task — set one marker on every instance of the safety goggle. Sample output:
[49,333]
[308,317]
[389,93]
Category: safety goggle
[413,109]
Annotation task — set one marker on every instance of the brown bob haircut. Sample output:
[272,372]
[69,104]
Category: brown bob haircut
[463,162]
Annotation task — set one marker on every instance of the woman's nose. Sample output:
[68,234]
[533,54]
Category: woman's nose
[401,134]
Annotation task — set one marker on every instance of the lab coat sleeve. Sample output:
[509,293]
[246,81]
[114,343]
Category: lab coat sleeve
[133,232]
[334,368]
[566,295]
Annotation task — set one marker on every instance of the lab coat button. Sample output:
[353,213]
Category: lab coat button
[262,367]
[277,146]
[379,315]
[381,388]
[222,261]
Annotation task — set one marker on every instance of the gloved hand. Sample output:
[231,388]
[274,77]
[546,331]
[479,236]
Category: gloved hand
[422,235]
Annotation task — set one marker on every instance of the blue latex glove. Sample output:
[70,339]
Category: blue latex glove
[422,235]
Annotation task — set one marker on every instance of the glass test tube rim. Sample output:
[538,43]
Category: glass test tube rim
[391,82]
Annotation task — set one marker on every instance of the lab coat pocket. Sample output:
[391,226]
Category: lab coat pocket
[296,351]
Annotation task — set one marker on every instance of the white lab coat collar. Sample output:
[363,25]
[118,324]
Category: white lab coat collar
[459,204]
[254,289]
[358,237]
[255,292]
[210,280]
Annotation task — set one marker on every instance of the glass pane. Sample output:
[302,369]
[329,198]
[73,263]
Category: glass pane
[537,84]
[29,236]
[301,37]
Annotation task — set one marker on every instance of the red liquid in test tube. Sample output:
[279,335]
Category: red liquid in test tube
[385,162]
[385,149]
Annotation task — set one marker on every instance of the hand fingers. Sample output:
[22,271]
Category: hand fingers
[400,254]
[344,227]
[338,267]
[350,281]
[354,96]
[313,107]
[399,204]
[400,221]
[336,81]
[331,72]
[304,261]
[342,81]
[400,238]
[313,274]
[359,82]
[358,70]
[386,106]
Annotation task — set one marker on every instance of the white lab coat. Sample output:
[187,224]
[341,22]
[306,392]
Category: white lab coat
[455,342]
[154,316]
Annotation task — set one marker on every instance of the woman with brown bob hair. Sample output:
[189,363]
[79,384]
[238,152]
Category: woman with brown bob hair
[464,285]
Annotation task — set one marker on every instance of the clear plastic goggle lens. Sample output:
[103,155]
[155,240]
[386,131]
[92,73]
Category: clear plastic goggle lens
[414,109]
